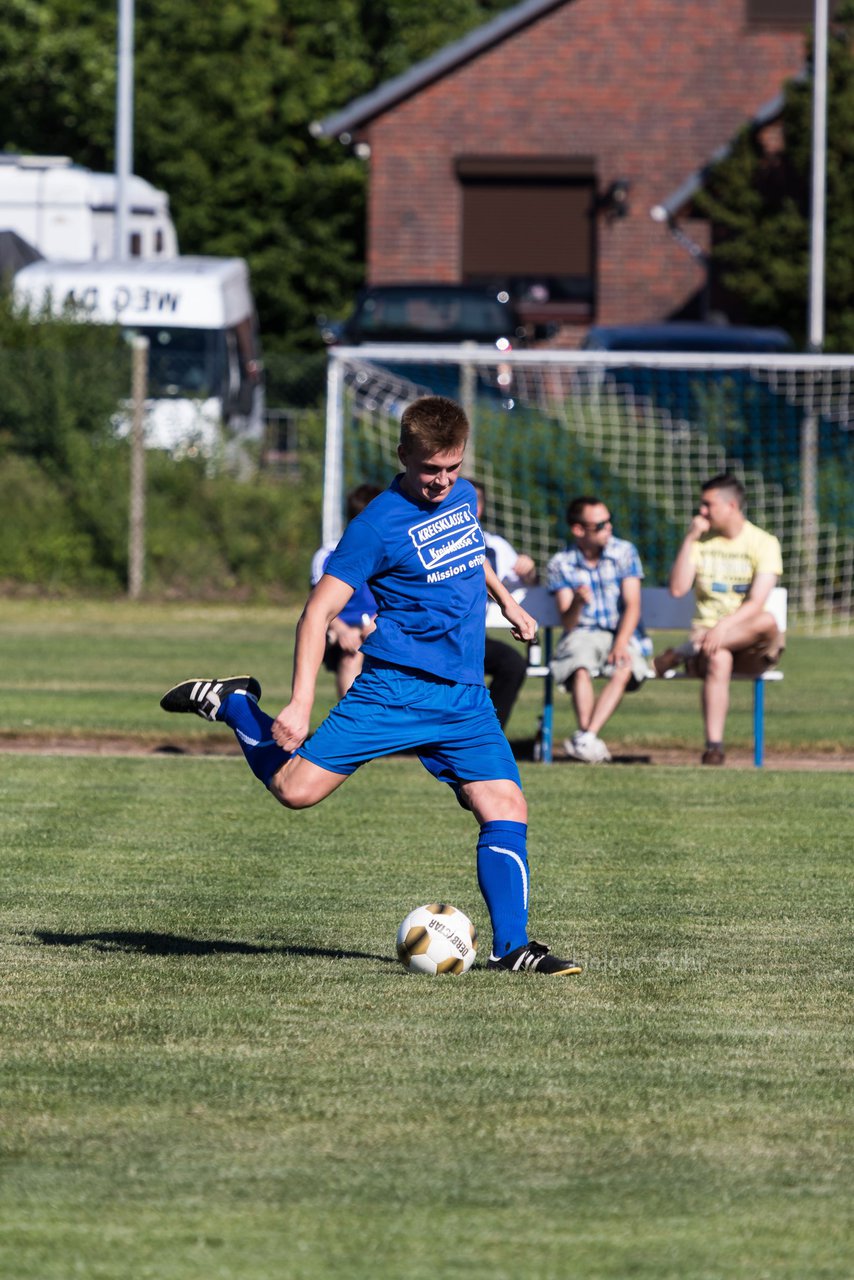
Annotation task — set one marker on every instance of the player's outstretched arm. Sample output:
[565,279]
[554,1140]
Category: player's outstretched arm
[523,626]
[328,598]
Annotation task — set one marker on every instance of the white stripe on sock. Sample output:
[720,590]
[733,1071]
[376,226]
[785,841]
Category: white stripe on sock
[253,742]
[511,853]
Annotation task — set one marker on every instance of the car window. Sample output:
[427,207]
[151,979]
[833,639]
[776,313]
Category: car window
[451,315]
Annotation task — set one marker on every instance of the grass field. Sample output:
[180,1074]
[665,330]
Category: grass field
[92,668]
[213,1067]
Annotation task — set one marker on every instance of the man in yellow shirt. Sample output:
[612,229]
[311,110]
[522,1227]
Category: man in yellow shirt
[733,567]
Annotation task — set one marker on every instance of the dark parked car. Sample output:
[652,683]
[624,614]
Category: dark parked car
[430,313]
[437,313]
[687,336]
[731,404]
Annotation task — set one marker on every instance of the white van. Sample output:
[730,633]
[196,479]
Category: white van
[68,213]
[204,367]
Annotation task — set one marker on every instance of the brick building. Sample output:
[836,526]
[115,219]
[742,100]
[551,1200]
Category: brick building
[531,152]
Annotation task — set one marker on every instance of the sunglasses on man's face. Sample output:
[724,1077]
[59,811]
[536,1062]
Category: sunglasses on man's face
[598,527]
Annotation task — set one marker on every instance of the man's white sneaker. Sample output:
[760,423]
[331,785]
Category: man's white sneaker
[587,747]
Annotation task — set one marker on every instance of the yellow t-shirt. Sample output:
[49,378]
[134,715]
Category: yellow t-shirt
[725,569]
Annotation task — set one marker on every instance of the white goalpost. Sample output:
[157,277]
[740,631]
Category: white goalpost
[641,430]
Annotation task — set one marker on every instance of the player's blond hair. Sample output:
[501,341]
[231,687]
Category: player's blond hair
[433,424]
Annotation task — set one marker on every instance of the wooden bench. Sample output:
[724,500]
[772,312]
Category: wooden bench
[660,611]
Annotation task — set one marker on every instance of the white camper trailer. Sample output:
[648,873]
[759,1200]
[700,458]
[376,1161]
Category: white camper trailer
[198,314]
[68,213]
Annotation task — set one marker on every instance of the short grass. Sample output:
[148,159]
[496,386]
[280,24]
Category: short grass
[213,1067]
[81,668]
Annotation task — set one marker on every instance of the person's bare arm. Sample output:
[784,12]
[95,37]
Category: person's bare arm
[571,603]
[683,572]
[631,594]
[522,625]
[751,606]
[525,570]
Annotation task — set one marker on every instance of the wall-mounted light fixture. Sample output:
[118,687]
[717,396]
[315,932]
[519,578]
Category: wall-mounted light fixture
[614,201]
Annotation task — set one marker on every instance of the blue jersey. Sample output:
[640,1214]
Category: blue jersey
[424,564]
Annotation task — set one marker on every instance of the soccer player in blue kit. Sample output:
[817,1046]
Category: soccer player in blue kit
[421,550]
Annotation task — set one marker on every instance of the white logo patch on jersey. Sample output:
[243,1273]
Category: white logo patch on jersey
[452,536]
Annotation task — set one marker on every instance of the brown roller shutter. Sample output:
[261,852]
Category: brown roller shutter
[782,13]
[527,228]
[528,224]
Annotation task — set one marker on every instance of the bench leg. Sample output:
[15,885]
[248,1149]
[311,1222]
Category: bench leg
[547,727]
[758,722]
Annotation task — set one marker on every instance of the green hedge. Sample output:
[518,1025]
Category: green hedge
[64,480]
[207,535]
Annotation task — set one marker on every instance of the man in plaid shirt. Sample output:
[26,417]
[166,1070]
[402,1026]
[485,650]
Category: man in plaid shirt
[596,582]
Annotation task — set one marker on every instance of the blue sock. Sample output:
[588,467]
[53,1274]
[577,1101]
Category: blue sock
[502,873]
[253,730]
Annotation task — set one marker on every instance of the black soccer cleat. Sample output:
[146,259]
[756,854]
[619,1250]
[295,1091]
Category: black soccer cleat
[534,957]
[204,697]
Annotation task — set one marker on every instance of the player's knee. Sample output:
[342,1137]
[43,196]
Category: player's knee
[499,801]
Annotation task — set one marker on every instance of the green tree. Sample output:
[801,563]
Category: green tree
[225,93]
[759,205]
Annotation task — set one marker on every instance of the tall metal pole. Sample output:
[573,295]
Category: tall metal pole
[136,521]
[333,465]
[815,315]
[819,176]
[124,127]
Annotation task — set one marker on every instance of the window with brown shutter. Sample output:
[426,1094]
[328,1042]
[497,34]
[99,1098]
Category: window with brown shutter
[528,227]
[782,13]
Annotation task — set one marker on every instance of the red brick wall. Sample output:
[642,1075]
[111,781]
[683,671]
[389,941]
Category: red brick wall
[650,89]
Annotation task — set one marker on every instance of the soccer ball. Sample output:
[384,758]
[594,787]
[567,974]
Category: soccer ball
[437,939]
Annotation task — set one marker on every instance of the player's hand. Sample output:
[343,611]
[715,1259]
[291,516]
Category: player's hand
[583,593]
[522,625]
[290,727]
[698,526]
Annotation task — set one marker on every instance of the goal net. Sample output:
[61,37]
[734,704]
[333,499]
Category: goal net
[641,431]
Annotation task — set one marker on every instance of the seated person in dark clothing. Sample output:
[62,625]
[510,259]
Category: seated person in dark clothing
[504,665]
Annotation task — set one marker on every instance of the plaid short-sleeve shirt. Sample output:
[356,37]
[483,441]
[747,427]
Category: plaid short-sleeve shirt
[619,560]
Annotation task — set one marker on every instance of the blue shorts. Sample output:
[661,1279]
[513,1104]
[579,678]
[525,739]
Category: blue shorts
[452,727]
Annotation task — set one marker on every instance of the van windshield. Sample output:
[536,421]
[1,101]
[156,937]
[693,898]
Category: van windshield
[184,362]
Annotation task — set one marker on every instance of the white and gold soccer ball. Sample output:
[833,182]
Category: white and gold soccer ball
[437,939]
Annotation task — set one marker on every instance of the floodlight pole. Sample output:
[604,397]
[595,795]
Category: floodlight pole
[815,315]
[124,127]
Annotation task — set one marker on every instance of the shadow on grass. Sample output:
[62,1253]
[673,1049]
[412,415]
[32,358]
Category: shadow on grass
[168,944]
